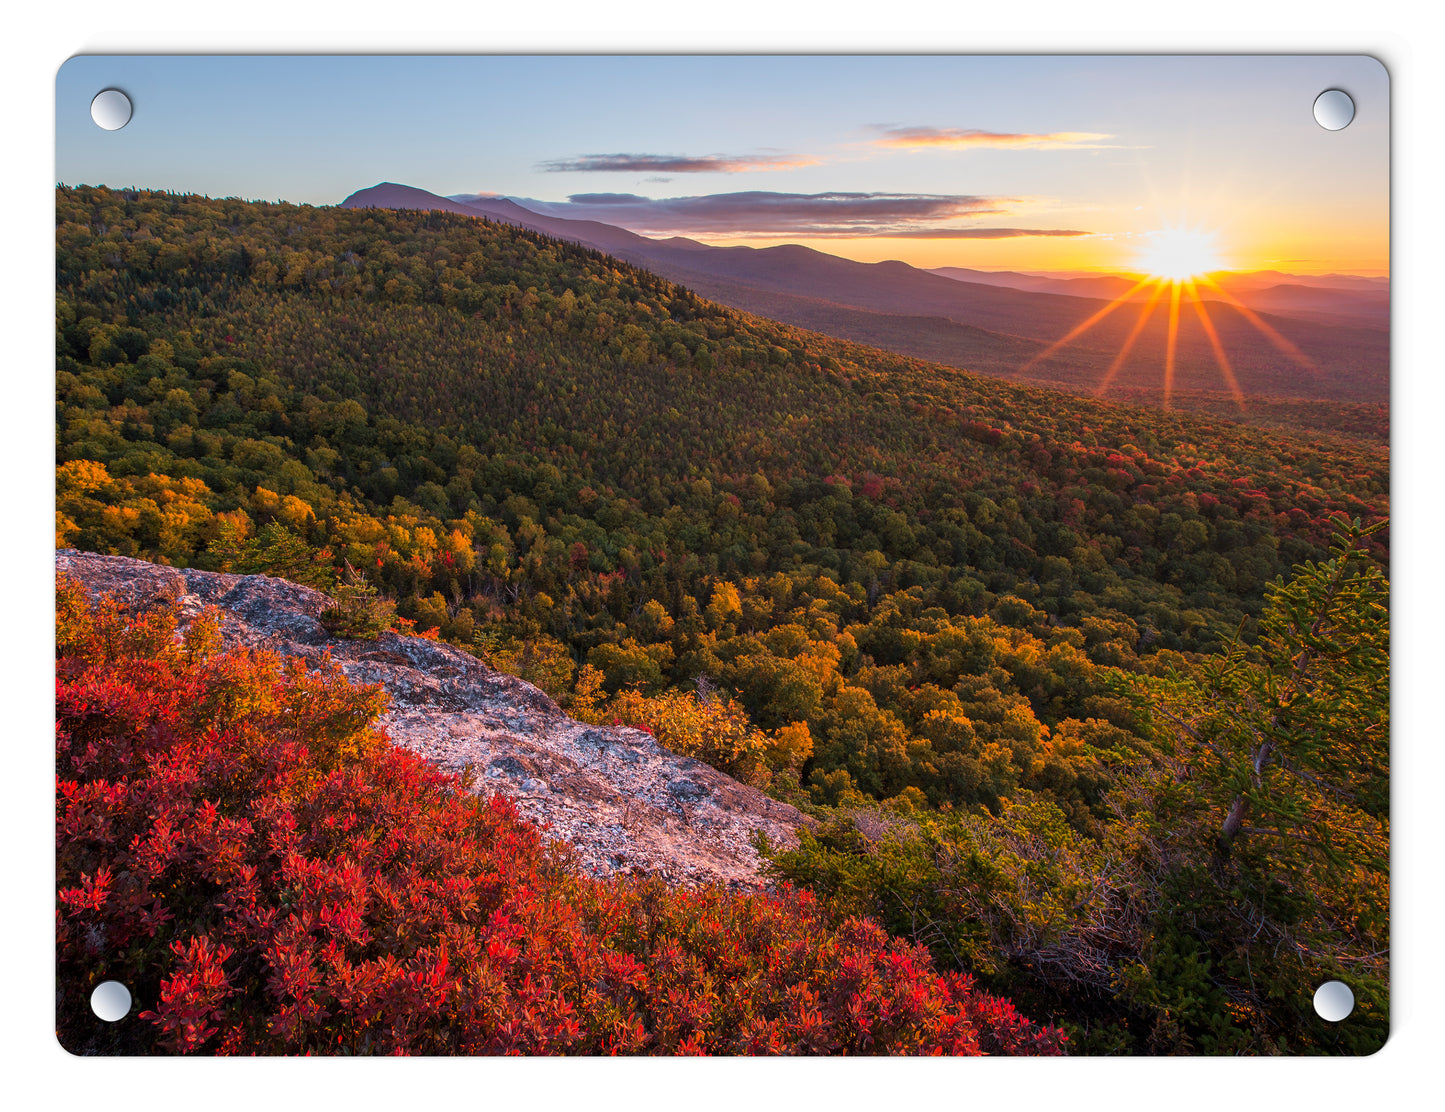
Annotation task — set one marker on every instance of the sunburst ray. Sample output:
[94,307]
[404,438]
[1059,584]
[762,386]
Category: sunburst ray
[1178,260]
[1173,337]
[1219,356]
[1079,329]
[1144,314]
[1270,334]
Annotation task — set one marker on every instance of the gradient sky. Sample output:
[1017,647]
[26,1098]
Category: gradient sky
[1035,163]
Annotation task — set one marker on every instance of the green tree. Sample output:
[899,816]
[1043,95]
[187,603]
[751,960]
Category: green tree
[356,609]
[1265,812]
[275,550]
[1244,863]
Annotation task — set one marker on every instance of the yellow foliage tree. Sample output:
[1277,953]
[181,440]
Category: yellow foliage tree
[715,730]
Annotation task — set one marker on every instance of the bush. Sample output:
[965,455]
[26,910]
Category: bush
[240,846]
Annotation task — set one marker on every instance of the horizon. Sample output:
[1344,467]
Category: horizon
[1128,272]
[1075,272]
[1041,165]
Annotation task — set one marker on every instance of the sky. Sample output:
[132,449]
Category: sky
[1045,163]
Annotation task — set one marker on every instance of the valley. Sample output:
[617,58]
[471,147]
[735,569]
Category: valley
[1005,643]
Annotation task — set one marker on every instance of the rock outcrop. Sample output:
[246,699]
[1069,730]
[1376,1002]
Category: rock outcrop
[622,802]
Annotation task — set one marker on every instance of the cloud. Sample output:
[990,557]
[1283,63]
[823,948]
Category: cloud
[673,164]
[609,199]
[918,137]
[760,214]
[764,213]
[981,233]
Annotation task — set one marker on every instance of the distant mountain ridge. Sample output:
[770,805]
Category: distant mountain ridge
[889,286]
[1308,297]
[1007,324]
[886,287]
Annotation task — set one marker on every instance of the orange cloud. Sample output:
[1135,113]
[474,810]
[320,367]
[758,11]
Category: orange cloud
[917,137]
[978,233]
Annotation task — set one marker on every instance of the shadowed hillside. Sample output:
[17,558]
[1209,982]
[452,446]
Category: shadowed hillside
[1337,351]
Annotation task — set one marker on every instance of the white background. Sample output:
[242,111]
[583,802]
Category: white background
[40,37]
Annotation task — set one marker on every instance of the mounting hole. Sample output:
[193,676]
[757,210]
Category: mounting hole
[1334,109]
[110,109]
[1334,1001]
[110,1001]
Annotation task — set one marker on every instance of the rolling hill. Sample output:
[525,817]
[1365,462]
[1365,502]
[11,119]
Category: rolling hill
[1318,345]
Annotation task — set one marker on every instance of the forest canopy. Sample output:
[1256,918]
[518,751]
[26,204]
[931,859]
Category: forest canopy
[894,592]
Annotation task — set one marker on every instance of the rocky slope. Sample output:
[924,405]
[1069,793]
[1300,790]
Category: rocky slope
[624,803]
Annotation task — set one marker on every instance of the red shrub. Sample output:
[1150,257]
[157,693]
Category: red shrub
[237,844]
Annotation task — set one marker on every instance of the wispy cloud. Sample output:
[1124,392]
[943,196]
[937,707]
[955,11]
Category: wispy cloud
[918,137]
[982,233]
[674,164]
[759,214]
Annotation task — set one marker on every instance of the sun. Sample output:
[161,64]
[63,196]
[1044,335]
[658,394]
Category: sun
[1174,266]
[1178,254]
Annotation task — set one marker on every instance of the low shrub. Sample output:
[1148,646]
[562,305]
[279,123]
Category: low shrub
[239,844]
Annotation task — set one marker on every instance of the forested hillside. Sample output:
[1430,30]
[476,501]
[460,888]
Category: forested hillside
[850,577]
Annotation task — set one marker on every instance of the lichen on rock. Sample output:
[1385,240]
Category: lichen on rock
[623,803]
